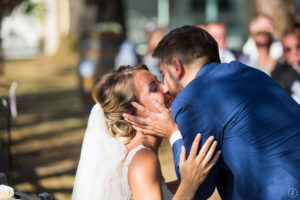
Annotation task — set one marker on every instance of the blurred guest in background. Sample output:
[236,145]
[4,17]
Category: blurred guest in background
[260,23]
[296,29]
[153,63]
[219,31]
[265,62]
[126,54]
[287,72]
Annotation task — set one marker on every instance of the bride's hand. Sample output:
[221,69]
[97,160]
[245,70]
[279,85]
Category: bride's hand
[196,167]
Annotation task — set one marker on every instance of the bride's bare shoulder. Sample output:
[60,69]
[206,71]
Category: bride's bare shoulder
[144,163]
[144,175]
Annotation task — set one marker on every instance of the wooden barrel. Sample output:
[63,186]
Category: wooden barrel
[98,51]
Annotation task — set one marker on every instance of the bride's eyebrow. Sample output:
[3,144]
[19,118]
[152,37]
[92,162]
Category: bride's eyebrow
[152,82]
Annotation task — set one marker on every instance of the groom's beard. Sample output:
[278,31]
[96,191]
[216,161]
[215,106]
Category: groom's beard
[174,87]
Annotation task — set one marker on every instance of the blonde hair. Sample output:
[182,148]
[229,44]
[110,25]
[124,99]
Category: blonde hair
[114,92]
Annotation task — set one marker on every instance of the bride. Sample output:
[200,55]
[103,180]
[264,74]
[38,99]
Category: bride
[118,162]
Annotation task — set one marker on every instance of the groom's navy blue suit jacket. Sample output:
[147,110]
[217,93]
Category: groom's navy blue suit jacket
[256,124]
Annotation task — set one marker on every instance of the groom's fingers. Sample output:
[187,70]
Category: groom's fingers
[144,112]
[143,130]
[138,106]
[135,119]
[194,147]
[147,130]
[141,109]
[158,107]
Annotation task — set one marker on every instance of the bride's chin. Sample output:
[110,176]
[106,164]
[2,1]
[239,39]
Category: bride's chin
[158,141]
[152,142]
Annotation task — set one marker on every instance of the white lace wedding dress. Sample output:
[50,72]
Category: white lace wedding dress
[167,194]
[101,172]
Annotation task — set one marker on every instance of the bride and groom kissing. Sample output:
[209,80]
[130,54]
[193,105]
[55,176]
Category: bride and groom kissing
[255,122]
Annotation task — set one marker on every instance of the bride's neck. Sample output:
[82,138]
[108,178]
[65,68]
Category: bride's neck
[149,141]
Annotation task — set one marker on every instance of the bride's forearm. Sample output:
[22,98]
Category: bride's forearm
[185,192]
[196,167]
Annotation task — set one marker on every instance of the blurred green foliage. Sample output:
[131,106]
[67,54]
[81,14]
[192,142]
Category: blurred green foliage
[36,9]
[33,8]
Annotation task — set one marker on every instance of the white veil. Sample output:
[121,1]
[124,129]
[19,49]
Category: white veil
[99,173]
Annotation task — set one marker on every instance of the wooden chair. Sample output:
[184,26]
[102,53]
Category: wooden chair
[10,109]
[23,196]
[6,109]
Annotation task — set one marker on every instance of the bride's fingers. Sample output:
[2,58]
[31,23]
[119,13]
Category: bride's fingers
[205,147]
[194,148]
[210,153]
[214,160]
[182,155]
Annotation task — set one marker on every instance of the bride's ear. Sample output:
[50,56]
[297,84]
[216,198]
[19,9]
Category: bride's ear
[179,69]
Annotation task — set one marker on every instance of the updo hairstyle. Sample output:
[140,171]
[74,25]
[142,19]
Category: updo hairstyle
[114,92]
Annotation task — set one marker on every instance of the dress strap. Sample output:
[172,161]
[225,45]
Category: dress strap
[132,153]
[126,187]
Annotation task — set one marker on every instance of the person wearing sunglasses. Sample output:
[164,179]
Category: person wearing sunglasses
[265,62]
[287,72]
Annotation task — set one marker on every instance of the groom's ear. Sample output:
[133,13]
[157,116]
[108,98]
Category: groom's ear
[179,70]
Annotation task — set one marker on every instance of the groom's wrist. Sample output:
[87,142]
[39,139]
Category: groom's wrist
[176,135]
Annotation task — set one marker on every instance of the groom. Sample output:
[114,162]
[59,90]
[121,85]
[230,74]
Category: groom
[256,123]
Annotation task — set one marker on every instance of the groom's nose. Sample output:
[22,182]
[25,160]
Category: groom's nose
[165,89]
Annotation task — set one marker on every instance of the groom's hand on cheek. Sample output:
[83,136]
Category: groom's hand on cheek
[159,123]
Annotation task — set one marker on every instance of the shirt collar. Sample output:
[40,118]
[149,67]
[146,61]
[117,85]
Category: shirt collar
[206,67]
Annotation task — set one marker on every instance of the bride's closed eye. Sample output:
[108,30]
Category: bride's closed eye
[153,88]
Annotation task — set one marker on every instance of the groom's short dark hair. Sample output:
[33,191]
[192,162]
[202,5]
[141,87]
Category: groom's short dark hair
[187,43]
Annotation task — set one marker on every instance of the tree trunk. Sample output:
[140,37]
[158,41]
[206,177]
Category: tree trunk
[86,13]
[282,12]
[6,6]
[1,58]
[3,7]
[112,10]
[1,52]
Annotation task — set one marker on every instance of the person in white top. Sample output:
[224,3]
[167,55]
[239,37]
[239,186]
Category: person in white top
[118,162]
[153,63]
[260,23]
[265,62]
[219,31]
[126,54]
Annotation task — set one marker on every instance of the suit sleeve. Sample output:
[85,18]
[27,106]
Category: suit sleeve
[176,153]
[192,120]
